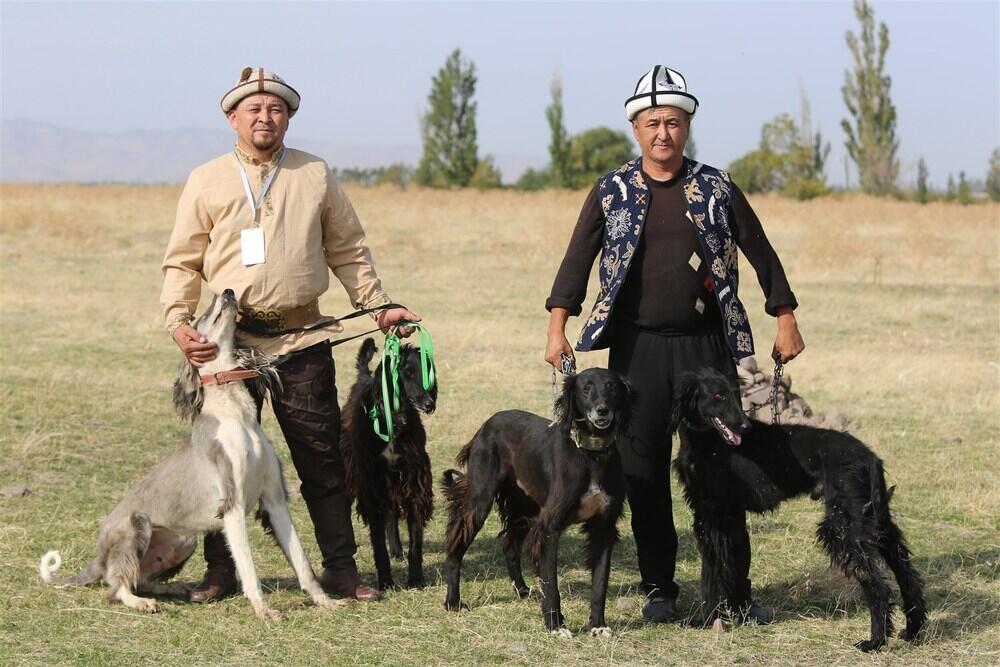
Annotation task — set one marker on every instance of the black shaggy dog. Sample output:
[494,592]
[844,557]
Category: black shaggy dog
[729,464]
[545,476]
[390,479]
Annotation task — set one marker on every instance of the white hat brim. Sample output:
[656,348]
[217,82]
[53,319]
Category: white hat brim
[637,103]
[254,86]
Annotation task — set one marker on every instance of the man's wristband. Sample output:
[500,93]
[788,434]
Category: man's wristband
[177,322]
[383,300]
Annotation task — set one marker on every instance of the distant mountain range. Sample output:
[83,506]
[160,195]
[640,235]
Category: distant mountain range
[39,152]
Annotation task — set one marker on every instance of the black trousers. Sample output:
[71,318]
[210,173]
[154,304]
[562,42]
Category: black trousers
[309,416]
[654,364]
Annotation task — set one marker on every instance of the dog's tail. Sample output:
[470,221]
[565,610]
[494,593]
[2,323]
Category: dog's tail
[365,356]
[879,496]
[52,561]
[462,459]
[461,518]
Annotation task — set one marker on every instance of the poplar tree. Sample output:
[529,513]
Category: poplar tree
[559,142]
[871,139]
[922,195]
[450,156]
[993,176]
[964,189]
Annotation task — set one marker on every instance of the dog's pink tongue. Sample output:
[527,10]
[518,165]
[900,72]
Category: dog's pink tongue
[737,439]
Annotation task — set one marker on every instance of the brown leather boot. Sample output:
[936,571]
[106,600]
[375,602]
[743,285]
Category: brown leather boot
[218,583]
[331,517]
[220,575]
[345,582]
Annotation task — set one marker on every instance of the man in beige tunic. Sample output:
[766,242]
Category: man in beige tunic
[270,223]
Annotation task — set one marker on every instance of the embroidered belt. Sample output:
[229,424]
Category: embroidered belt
[271,321]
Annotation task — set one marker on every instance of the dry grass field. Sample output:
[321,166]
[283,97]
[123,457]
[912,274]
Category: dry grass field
[900,310]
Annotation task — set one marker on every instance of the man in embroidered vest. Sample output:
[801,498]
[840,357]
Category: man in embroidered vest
[270,223]
[668,229]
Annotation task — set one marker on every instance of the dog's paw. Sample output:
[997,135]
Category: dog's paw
[455,606]
[908,635]
[266,613]
[523,592]
[416,582]
[602,632]
[561,633]
[869,645]
[147,606]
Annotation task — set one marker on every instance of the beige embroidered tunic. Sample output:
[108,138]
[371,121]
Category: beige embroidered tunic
[310,228]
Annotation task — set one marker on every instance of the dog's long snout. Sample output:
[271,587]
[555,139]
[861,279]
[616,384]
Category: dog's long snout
[229,299]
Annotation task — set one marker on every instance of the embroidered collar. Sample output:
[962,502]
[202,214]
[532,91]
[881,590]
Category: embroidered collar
[592,444]
[248,159]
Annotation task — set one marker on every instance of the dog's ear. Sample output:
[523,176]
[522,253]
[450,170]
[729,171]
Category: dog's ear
[565,407]
[684,398]
[268,383]
[189,395]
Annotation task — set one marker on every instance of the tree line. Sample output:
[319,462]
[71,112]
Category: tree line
[789,158]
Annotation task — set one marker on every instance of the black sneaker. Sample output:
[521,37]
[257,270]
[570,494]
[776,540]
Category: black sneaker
[659,609]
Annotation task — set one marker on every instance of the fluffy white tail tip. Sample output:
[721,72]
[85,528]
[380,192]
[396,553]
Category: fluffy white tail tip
[49,563]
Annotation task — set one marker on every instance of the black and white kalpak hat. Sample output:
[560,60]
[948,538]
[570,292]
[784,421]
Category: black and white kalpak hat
[660,87]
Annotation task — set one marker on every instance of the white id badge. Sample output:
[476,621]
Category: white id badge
[252,246]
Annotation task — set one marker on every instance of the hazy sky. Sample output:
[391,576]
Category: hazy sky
[364,69]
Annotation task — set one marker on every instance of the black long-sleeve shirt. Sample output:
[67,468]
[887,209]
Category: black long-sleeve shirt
[667,286]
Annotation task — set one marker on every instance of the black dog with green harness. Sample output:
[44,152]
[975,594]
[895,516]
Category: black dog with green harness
[383,443]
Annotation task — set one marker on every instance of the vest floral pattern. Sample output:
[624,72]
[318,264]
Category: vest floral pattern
[625,201]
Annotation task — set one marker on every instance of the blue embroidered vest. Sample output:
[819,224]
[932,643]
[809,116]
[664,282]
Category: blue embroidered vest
[625,201]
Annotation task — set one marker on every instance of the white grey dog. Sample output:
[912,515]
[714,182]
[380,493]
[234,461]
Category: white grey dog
[210,483]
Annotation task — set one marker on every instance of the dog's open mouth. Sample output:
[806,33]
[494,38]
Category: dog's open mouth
[601,423]
[731,436]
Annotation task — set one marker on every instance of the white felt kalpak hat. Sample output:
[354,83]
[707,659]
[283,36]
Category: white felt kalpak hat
[259,80]
[660,87]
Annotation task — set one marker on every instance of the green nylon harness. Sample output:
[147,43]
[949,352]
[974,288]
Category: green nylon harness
[390,374]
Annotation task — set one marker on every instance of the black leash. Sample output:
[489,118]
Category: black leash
[324,325]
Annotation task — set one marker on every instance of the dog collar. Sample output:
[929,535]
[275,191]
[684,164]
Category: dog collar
[226,377]
[587,442]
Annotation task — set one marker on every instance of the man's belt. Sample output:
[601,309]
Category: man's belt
[272,322]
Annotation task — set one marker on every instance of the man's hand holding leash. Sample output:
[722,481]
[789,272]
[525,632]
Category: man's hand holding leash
[386,318]
[557,344]
[788,342]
